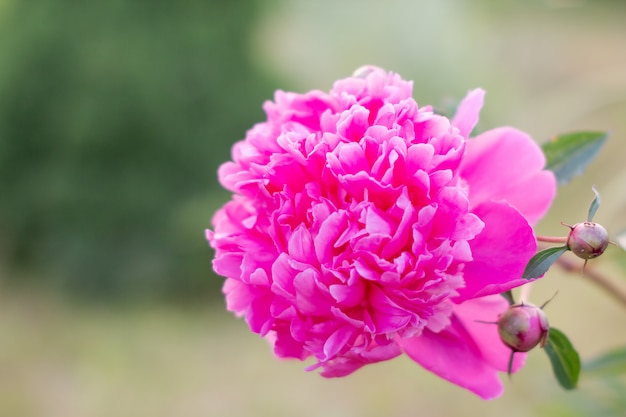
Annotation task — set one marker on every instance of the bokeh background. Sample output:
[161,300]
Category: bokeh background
[114,116]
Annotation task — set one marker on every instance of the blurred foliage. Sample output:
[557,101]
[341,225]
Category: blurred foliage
[601,397]
[114,116]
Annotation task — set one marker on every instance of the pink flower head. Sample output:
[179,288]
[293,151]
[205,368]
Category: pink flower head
[363,226]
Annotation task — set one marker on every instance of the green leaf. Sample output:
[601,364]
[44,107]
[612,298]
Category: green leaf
[447,108]
[508,296]
[595,204]
[539,264]
[569,154]
[564,359]
[611,363]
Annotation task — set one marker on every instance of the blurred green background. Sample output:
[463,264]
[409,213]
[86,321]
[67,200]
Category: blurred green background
[114,116]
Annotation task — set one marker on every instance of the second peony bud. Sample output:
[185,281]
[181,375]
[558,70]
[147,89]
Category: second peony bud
[523,326]
[588,240]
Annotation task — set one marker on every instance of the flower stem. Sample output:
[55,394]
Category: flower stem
[595,277]
[552,239]
[525,292]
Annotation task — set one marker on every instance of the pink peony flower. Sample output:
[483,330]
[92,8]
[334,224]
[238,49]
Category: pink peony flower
[363,226]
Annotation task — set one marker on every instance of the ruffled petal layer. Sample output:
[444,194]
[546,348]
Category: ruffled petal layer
[506,164]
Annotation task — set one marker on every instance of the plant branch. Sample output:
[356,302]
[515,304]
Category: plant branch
[595,277]
[552,239]
[525,292]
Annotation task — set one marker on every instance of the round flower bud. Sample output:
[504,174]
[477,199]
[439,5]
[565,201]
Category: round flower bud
[588,240]
[523,326]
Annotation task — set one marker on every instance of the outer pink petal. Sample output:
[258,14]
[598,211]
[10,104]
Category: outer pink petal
[468,112]
[506,164]
[500,252]
[467,353]
[346,365]
[454,356]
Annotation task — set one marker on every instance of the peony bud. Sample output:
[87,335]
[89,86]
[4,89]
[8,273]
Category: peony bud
[588,240]
[523,326]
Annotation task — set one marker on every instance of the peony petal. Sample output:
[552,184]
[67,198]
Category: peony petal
[500,252]
[285,345]
[228,264]
[258,315]
[348,295]
[346,365]
[454,355]
[300,245]
[238,296]
[386,314]
[330,230]
[467,113]
[506,164]
[338,340]
[311,299]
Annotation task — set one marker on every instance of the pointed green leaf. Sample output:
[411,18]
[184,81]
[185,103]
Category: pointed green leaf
[509,368]
[508,296]
[595,204]
[539,264]
[611,363]
[564,359]
[569,154]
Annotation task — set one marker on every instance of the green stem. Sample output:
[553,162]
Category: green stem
[595,277]
[552,239]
